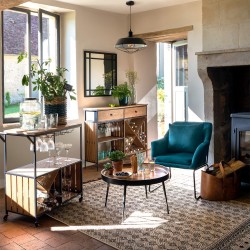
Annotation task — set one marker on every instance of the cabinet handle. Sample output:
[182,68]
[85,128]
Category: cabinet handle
[110,114]
[135,111]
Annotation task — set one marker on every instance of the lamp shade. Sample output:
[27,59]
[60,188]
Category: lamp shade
[130,44]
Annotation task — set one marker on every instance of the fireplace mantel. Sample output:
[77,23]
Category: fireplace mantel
[213,61]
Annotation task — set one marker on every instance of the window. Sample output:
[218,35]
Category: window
[21,31]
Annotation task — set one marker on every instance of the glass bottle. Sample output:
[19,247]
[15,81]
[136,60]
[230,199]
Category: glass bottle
[30,114]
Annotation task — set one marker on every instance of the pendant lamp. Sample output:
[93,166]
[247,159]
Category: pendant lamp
[130,44]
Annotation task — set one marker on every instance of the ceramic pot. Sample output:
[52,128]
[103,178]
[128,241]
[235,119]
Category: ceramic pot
[117,165]
[110,171]
[123,101]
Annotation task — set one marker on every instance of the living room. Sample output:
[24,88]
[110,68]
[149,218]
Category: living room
[217,26]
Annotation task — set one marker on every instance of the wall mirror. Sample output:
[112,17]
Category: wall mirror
[100,73]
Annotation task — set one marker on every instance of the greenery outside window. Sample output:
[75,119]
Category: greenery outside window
[36,33]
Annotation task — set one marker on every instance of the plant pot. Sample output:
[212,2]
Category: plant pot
[117,165]
[57,105]
[110,171]
[123,101]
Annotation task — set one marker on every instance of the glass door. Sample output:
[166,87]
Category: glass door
[180,78]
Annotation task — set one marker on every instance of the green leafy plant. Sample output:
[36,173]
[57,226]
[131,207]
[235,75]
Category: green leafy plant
[107,166]
[121,91]
[51,85]
[117,155]
[7,98]
[99,91]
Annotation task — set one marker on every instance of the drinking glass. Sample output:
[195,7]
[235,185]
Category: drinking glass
[67,147]
[152,164]
[58,149]
[51,147]
[44,145]
[140,160]
[38,144]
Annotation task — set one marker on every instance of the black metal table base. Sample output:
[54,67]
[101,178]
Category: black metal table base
[125,193]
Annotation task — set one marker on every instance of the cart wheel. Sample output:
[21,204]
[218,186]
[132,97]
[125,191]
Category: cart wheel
[5,217]
[36,224]
[80,199]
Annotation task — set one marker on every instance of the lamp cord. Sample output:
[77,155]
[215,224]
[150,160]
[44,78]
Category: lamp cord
[130,17]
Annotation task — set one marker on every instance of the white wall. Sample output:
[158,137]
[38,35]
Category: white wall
[175,17]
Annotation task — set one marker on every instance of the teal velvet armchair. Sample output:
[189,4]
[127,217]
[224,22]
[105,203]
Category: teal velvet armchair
[185,146]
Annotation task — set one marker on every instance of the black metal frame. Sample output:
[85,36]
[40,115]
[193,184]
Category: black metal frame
[126,182]
[28,12]
[87,89]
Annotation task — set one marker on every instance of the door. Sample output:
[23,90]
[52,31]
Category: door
[179,81]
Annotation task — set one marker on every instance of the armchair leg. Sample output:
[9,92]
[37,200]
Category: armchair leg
[195,195]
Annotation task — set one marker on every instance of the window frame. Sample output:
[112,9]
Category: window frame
[40,48]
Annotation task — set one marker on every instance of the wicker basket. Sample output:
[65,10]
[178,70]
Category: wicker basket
[57,105]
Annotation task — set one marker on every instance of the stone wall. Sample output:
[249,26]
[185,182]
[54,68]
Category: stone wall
[226,24]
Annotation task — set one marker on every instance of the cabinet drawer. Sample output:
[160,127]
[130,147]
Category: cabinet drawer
[109,115]
[136,111]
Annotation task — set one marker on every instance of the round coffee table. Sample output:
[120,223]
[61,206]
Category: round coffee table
[160,175]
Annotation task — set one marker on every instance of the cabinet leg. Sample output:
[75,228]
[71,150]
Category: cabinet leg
[36,224]
[5,218]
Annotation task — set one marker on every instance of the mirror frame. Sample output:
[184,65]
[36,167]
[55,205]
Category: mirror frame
[87,57]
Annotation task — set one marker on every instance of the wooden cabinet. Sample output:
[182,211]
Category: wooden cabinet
[36,188]
[118,128]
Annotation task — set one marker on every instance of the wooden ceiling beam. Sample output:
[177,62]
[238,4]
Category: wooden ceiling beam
[6,4]
[168,35]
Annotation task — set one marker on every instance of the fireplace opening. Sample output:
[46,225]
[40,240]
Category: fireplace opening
[231,94]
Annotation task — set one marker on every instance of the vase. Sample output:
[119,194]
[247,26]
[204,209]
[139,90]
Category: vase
[57,105]
[133,95]
[123,101]
[117,165]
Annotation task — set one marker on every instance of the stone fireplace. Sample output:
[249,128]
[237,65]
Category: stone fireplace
[226,78]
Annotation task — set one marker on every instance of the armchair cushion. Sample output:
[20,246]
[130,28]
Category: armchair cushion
[185,138]
[181,159]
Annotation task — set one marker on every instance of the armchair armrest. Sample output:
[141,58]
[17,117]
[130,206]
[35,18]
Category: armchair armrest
[159,147]
[200,155]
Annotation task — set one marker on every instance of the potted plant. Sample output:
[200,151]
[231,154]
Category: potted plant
[53,87]
[122,92]
[109,168]
[117,157]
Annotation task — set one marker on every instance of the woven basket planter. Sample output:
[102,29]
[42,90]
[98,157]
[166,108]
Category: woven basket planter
[57,105]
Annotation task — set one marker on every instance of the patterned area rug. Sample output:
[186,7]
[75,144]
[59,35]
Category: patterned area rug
[190,225]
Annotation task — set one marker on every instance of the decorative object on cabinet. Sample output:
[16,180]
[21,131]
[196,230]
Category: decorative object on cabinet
[100,73]
[39,187]
[114,128]
[130,44]
[132,78]
[53,87]
[122,92]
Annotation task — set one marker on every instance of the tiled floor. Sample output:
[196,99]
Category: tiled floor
[19,232]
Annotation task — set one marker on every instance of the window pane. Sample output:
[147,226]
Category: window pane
[15,40]
[49,40]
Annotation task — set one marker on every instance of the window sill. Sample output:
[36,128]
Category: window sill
[7,126]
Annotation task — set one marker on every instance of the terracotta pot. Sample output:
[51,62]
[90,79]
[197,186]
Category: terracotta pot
[117,165]
[110,171]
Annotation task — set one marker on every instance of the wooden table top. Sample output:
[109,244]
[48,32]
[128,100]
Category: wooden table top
[159,175]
